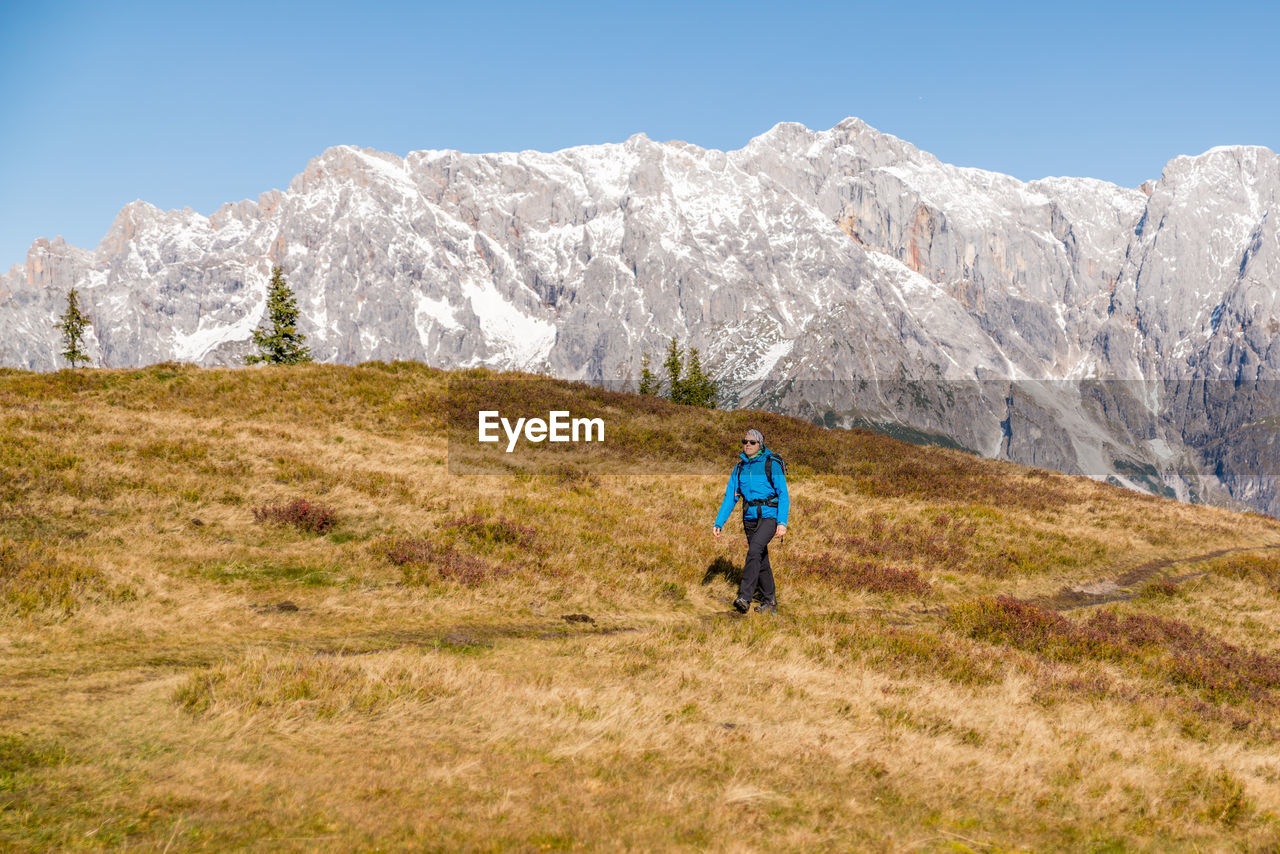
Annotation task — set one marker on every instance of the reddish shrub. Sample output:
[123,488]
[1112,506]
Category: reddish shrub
[1163,589]
[467,570]
[943,542]
[1190,655]
[1022,624]
[409,550]
[1165,649]
[419,559]
[862,575]
[311,517]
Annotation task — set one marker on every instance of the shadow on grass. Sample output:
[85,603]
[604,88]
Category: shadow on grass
[722,568]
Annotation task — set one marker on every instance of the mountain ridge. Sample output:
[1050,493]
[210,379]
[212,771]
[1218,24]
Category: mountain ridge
[802,257]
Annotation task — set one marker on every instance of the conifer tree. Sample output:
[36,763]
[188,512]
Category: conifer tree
[673,367]
[278,340]
[698,388]
[73,323]
[648,382]
[687,383]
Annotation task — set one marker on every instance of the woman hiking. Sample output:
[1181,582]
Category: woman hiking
[760,480]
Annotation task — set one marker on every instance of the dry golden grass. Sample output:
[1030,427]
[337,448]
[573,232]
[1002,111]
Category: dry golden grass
[176,675]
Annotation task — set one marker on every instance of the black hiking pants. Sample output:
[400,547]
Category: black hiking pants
[757,569]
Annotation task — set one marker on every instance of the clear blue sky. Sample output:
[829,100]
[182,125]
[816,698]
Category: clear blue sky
[195,104]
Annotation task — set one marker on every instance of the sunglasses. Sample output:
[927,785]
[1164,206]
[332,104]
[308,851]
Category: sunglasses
[750,442]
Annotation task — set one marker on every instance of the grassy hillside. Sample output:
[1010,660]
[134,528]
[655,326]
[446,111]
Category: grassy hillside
[254,610]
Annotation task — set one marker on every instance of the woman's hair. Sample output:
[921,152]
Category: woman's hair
[757,435]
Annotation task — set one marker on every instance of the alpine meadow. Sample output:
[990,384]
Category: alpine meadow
[259,609]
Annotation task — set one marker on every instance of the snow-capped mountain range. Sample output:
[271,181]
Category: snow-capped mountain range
[841,274]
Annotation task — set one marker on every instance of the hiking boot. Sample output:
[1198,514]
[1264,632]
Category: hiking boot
[741,605]
[769,608]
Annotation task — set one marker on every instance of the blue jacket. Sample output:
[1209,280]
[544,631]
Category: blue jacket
[751,483]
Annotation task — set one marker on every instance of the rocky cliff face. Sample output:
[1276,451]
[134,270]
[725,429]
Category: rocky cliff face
[842,274]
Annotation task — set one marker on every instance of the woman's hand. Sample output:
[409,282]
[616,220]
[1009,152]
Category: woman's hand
[782,531]
[715,532]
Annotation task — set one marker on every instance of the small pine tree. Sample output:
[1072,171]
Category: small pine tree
[687,383]
[648,382]
[278,340]
[672,365]
[73,323]
[698,388]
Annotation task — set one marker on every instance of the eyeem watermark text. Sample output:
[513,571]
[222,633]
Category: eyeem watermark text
[558,426]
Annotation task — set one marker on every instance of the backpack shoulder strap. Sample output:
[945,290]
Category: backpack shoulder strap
[737,476]
[768,470]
